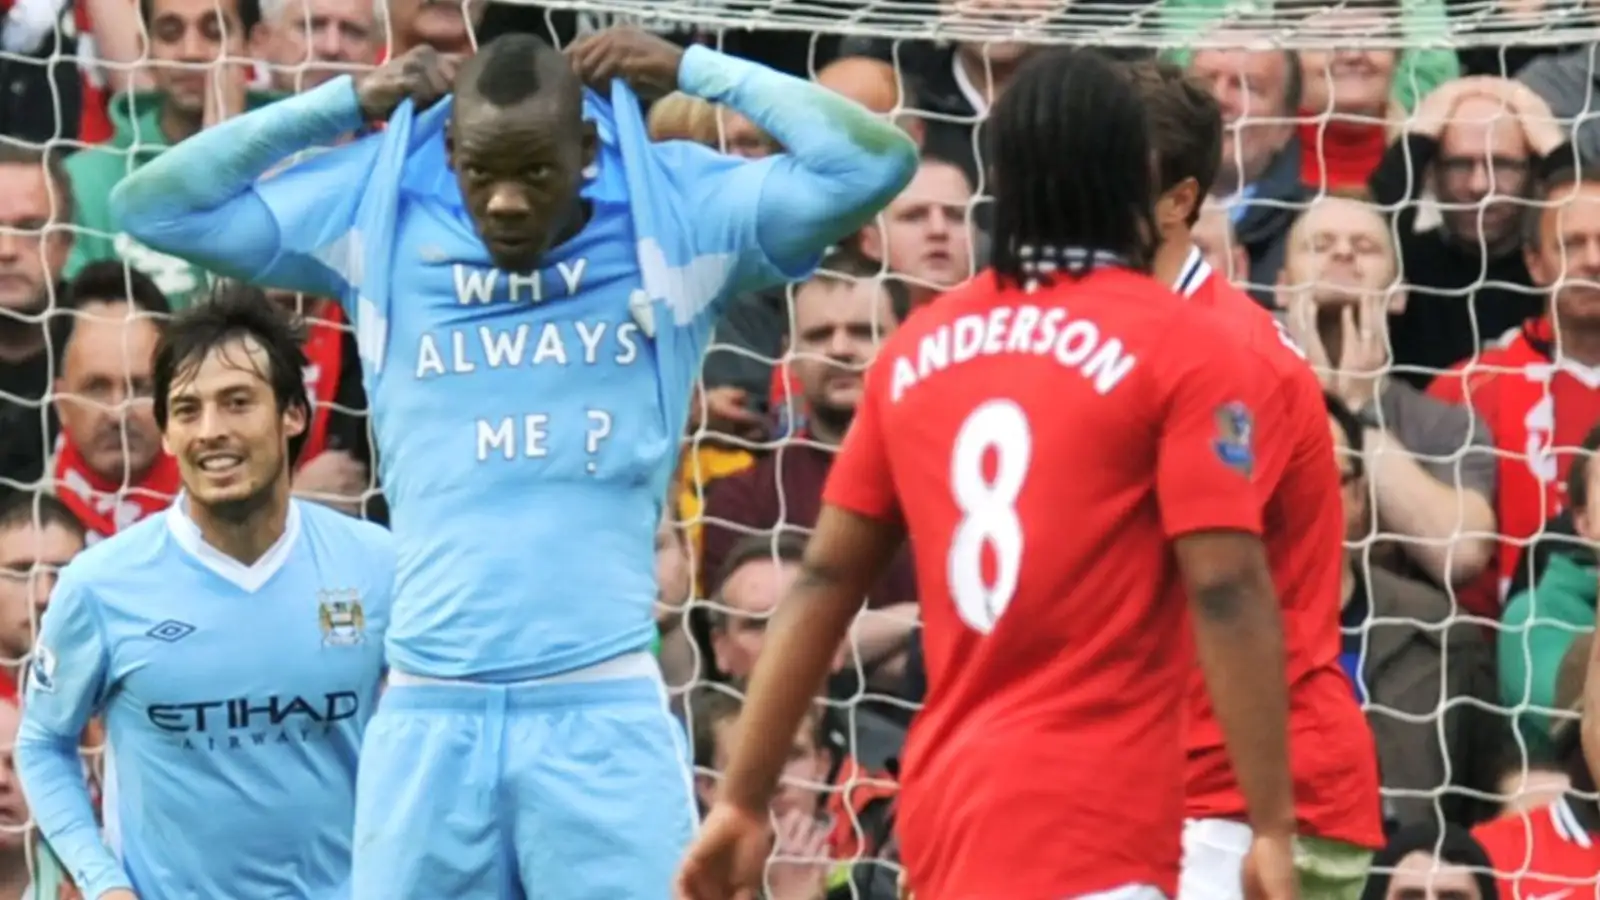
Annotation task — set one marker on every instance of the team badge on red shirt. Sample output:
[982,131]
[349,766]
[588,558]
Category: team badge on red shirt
[1233,445]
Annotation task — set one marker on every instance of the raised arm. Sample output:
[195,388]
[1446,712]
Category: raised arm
[841,163]
[211,201]
[65,684]
[199,200]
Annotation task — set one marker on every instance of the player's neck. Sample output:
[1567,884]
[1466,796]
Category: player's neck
[1579,342]
[247,536]
[576,221]
[1171,257]
[177,125]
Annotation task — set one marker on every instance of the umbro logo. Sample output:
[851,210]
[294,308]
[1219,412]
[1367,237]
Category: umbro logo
[171,631]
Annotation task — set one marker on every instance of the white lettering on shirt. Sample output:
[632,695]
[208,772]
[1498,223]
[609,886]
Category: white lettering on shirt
[1076,344]
[477,286]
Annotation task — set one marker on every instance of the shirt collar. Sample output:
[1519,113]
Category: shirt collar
[1194,273]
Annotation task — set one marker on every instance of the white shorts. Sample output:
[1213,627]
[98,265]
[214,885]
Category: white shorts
[1213,859]
[1127,892]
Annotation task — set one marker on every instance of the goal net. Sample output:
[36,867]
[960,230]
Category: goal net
[1349,190]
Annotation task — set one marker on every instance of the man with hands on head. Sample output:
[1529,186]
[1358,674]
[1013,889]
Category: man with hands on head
[534,284]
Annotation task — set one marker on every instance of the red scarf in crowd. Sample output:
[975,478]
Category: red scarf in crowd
[106,507]
[1337,154]
[324,363]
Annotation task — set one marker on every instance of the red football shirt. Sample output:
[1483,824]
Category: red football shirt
[1332,755]
[1538,406]
[1545,854]
[1041,449]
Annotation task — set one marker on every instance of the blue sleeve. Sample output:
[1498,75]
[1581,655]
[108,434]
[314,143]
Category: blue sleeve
[841,165]
[66,684]
[206,201]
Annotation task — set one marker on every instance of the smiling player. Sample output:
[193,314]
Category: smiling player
[233,644]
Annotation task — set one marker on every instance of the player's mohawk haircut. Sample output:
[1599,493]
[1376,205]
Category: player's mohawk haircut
[1072,168]
[508,70]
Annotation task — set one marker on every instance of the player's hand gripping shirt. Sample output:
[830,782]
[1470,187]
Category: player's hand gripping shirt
[1041,449]
[1332,756]
[527,424]
[234,699]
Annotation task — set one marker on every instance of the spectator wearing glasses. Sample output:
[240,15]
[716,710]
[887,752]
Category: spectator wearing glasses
[1459,175]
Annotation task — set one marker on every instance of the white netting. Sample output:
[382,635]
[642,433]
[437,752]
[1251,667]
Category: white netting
[1448,738]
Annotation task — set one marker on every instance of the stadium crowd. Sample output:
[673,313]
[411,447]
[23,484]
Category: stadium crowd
[1423,222]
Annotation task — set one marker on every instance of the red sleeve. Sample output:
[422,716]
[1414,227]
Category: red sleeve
[1289,411]
[1207,455]
[860,480]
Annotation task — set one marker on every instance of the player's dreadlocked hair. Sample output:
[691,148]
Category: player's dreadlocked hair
[1072,176]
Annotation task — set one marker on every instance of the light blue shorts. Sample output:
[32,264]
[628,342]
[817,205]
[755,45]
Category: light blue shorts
[547,790]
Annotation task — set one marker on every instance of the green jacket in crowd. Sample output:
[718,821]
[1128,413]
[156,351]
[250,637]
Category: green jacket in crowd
[94,171]
[1419,72]
[1537,628]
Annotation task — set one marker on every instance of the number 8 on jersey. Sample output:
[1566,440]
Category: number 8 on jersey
[988,507]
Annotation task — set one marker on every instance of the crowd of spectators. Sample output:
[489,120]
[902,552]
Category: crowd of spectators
[1422,220]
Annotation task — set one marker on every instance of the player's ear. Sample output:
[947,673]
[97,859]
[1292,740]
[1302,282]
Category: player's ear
[590,139]
[294,420]
[869,241]
[1180,204]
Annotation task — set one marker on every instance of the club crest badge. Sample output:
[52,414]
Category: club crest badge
[341,618]
[42,670]
[1234,443]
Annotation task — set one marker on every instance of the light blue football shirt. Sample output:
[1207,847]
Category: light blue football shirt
[234,699]
[527,424]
